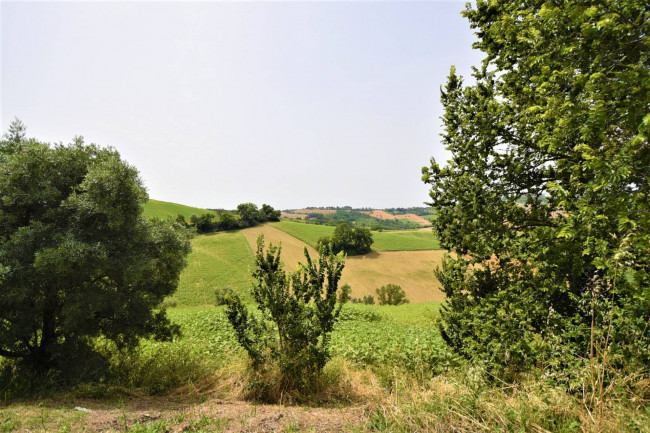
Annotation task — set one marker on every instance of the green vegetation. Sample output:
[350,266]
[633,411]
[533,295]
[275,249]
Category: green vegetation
[163,210]
[308,233]
[391,294]
[558,114]
[350,240]
[383,241]
[77,259]
[288,343]
[359,219]
[544,207]
[217,260]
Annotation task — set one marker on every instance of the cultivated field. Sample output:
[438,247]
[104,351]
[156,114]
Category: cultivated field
[292,248]
[163,210]
[398,240]
[413,270]
[415,218]
[308,233]
[221,260]
[301,216]
[383,215]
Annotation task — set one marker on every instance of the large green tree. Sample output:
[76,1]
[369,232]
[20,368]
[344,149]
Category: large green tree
[77,258]
[544,203]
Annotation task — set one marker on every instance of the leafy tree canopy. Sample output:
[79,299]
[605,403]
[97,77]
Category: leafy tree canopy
[391,294]
[560,115]
[77,258]
[351,240]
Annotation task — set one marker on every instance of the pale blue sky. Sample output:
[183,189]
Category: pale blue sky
[219,103]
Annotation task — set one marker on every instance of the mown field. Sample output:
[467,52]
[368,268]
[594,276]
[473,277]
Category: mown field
[408,240]
[220,259]
[164,209]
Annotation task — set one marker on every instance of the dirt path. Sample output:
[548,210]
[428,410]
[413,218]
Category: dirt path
[165,414]
[413,270]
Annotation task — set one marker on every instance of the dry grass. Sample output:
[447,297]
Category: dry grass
[412,270]
[351,400]
[292,248]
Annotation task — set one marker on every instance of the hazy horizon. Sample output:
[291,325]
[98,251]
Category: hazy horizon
[293,104]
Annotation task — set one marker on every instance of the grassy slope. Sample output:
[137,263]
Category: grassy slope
[405,241]
[308,233]
[410,240]
[163,209]
[218,260]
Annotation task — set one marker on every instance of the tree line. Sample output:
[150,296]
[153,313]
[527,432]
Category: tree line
[247,215]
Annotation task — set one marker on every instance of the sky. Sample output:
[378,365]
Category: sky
[293,104]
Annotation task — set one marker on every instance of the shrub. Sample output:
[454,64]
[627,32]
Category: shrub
[220,295]
[288,340]
[367,299]
[391,294]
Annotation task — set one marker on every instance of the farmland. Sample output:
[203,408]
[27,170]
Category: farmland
[408,240]
[217,260]
[412,270]
[390,372]
[212,254]
[390,369]
[164,209]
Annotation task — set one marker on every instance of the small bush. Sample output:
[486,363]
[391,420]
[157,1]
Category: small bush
[168,303]
[288,342]
[368,300]
[220,295]
[391,294]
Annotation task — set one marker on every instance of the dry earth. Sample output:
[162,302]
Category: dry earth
[302,216]
[383,215]
[177,415]
[308,210]
[413,270]
[415,218]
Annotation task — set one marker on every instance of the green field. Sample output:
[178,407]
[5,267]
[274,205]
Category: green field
[407,240]
[217,260]
[163,209]
[379,336]
[308,233]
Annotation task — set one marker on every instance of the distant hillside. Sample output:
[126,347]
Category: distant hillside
[374,219]
[164,209]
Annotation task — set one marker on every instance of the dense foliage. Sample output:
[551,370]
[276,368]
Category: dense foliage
[362,219]
[391,294]
[559,115]
[248,215]
[297,313]
[350,240]
[78,259]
